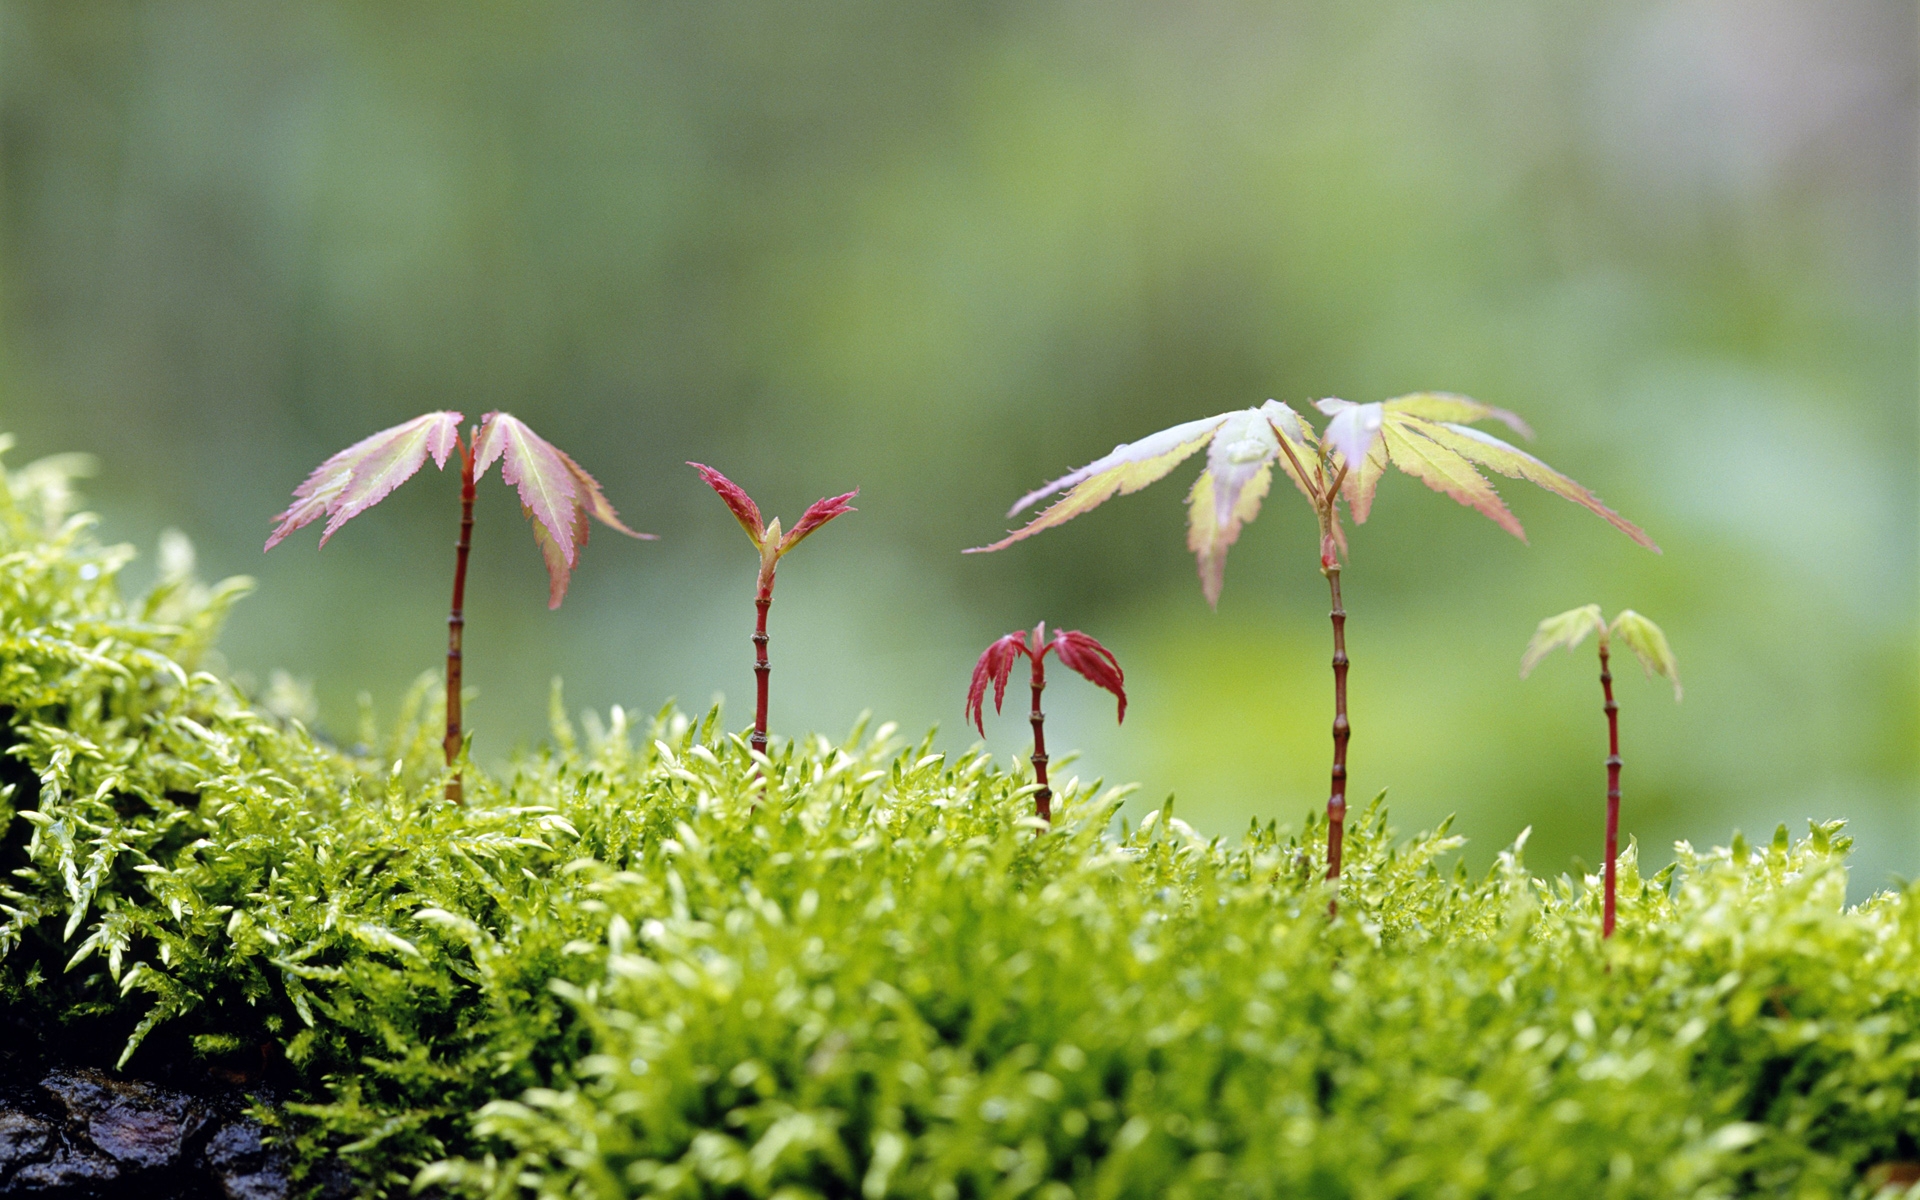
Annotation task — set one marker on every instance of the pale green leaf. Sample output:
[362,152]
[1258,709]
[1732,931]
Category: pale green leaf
[1446,472]
[1649,645]
[1567,629]
[1361,484]
[1445,406]
[1214,523]
[1126,470]
[1490,451]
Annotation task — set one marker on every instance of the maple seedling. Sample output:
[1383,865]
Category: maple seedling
[555,493]
[1649,645]
[1078,651]
[1426,435]
[772,545]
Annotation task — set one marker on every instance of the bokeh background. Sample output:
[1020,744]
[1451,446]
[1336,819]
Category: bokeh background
[945,251]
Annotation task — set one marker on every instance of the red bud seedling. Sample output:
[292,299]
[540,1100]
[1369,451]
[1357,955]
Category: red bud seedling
[771,544]
[1425,435]
[1649,645]
[1081,653]
[556,495]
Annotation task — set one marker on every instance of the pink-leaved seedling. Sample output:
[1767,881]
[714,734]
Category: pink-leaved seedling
[771,544]
[1649,645]
[1083,654]
[1426,435]
[556,495]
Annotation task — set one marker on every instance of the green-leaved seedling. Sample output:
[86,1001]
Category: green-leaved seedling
[1079,652]
[772,545]
[555,493]
[1426,435]
[1649,645]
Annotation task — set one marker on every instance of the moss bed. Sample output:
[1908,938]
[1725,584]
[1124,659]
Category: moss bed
[640,963]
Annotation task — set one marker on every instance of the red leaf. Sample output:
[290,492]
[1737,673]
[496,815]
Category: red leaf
[818,513]
[996,665]
[742,506]
[360,476]
[1094,662]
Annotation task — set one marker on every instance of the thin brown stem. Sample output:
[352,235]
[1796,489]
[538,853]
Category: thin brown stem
[1333,489]
[1342,730]
[1042,799]
[1613,792]
[1310,482]
[761,668]
[456,619]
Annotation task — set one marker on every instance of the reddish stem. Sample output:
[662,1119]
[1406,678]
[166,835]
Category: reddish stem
[762,602]
[456,620]
[1613,790]
[1342,730]
[1042,799]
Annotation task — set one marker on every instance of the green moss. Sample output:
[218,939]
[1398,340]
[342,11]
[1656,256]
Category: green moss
[642,963]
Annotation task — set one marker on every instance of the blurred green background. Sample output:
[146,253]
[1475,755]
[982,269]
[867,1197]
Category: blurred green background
[945,251]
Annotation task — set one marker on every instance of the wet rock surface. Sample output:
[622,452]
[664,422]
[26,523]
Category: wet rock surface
[86,1134]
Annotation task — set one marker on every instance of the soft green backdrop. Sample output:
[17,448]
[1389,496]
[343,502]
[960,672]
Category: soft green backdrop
[944,251]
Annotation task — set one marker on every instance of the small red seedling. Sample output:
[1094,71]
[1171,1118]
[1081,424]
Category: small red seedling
[771,544]
[1078,651]
[1649,645]
[555,493]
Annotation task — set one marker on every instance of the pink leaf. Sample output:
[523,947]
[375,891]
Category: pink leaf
[538,471]
[559,570]
[995,665]
[1093,661]
[818,513]
[360,476]
[556,494]
[737,501]
[594,502]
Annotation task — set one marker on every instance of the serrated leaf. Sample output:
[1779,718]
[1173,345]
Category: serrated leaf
[1094,662]
[557,495]
[818,513]
[559,567]
[359,477]
[1130,467]
[1364,480]
[1445,406]
[1566,629]
[995,666]
[1210,532]
[738,503]
[595,502]
[1649,645]
[1511,461]
[1448,473]
[531,465]
[1361,484]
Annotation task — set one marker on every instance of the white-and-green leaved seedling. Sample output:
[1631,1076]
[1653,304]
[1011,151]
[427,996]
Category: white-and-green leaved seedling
[1427,435]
